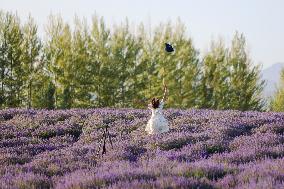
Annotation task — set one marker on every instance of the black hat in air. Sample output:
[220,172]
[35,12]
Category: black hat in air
[169,47]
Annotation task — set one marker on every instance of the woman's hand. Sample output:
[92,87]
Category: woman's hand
[165,93]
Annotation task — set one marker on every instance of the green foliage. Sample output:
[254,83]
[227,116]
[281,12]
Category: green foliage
[96,66]
[45,96]
[58,54]
[125,50]
[31,59]
[101,65]
[83,70]
[180,69]
[215,78]
[245,84]
[3,61]
[229,81]
[66,98]
[277,102]
[48,96]
[11,67]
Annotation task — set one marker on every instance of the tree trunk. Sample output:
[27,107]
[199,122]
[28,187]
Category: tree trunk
[30,95]
[55,93]
[11,83]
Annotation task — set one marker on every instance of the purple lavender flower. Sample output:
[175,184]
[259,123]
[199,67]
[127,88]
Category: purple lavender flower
[203,149]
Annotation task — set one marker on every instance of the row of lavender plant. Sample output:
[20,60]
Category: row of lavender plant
[108,148]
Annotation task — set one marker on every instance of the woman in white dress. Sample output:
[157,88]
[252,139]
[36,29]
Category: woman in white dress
[157,123]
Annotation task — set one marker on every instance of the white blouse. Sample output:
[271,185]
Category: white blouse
[157,123]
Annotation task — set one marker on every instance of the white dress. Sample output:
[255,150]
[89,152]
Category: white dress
[157,123]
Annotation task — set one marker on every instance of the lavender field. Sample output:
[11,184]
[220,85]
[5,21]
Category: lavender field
[204,149]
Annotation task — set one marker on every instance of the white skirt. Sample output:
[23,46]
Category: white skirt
[157,124]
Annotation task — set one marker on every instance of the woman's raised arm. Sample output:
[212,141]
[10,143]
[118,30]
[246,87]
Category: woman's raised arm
[165,93]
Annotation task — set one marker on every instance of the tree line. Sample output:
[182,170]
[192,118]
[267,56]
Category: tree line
[92,65]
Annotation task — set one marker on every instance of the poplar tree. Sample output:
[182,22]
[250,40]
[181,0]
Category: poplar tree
[150,49]
[3,62]
[59,60]
[31,49]
[11,66]
[245,84]
[82,65]
[125,50]
[277,102]
[101,66]
[214,86]
[180,69]
[159,62]
[142,69]
[185,69]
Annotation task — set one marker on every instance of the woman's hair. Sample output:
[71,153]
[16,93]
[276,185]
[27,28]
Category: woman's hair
[155,103]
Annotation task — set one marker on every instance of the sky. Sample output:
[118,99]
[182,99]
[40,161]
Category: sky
[261,21]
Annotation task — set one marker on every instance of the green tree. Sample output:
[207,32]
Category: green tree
[83,81]
[148,65]
[277,102]
[214,83]
[11,66]
[245,84]
[31,49]
[185,69]
[125,50]
[48,100]
[58,50]
[66,98]
[180,69]
[3,60]
[101,65]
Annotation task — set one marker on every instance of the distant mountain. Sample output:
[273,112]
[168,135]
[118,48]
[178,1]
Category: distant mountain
[271,75]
